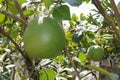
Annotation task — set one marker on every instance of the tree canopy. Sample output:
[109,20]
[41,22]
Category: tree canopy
[81,32]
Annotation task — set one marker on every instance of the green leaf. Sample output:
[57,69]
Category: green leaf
[118,6]
[47,74]
[90,34]
[21,1]
[28,13]
[108,36]
[2,17]
[1,1]
[74,17]
[82,58]
[87,1]
[61,12]
[14,33]
[74,2]
[47,3]
[12,8]
[76,38]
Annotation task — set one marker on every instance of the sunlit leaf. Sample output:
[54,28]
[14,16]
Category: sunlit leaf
[74,17]
[2,17]
[74,44]
[47,3]
[21,1]
[87,1]
[1,1]
[82,57]
[47,74]
[68,35]
[28,13]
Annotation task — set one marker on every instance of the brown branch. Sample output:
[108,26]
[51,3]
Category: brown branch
[72,62]
[107,17]
[28,62]
[19,9]
[116,12]
[17,46]
[21,12]
[13,16]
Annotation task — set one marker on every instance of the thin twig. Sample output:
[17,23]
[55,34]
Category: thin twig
[92,72]
[106,16]
[13,16]
[19,9]
[116,12]
[72,62]
[21,12]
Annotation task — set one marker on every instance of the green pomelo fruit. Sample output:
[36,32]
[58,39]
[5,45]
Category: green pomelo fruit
[44,38]
[95,53]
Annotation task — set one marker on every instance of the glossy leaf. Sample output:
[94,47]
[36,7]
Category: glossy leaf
[2,17]
[61,13]
[47,74]
[74,17]
[82,57]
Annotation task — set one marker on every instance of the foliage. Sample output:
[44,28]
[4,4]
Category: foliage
[81,32]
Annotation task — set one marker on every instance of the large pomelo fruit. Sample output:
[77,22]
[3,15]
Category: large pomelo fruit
[44,38]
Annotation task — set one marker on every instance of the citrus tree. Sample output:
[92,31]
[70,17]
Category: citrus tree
[41,40]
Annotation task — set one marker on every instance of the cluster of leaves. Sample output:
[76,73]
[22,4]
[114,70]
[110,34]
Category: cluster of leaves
[81,32]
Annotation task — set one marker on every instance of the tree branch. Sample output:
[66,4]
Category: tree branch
[13,16]
[116,12]
[28,62]
[107,18]
[72,62]
[19,10]
[17,46]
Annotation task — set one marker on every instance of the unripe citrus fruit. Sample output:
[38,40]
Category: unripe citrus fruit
[95,53]
[44,38]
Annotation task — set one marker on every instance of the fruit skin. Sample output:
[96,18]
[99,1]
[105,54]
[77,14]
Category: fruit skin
[95,53]
[44,38]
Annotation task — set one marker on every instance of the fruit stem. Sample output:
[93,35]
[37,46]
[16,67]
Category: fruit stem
[103,71]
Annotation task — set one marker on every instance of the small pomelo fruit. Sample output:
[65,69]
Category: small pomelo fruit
[95,53]
[44,38]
